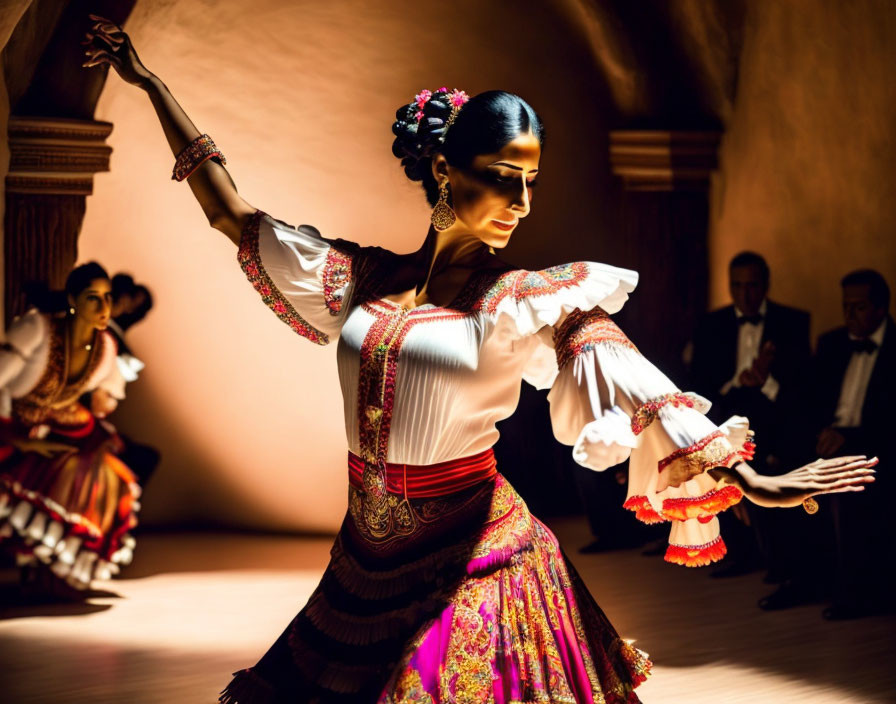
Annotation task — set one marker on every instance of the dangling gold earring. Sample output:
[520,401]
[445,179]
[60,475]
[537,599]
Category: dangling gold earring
[71,310]
[443,216]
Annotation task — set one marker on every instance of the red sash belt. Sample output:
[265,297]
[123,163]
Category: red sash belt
[429,480]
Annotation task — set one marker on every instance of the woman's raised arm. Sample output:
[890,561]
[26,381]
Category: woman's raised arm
[226,211]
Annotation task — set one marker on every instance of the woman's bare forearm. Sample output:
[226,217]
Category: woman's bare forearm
[835,475]
[745,478]
[211,184]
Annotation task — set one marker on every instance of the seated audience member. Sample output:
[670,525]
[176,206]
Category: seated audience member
[855,383]
[749,359]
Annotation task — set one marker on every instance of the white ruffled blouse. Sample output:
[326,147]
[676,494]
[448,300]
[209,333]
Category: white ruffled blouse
[25,356]
[427,385]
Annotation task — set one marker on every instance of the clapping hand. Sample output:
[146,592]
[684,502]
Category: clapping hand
[758,373]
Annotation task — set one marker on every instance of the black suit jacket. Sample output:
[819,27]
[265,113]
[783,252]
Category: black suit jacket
[829,366]
[714,363]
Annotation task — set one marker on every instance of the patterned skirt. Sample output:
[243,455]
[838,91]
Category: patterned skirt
[72,511]
[476,603]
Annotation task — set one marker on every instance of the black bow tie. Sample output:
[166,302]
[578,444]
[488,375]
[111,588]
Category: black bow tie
[751,319]
[863,346]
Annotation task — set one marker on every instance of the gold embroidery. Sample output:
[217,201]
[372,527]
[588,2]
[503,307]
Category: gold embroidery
[686,463]
[55,397]
[377,513]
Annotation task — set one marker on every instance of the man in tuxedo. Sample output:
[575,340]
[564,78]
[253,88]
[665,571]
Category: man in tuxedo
[750,358]
[854,380]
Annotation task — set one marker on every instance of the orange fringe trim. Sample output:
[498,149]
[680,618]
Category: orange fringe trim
[706,505]
[697,555]
[644,512]
[702,507]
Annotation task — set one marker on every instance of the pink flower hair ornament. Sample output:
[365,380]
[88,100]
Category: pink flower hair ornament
[456,99]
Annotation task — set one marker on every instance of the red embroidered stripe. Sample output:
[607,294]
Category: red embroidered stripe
[582,330]
[649,411]
[521,284]
[336,277]
[250,261]
[428,481]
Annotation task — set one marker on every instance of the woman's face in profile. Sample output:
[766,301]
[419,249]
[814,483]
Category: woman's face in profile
[491,196]
[94,303]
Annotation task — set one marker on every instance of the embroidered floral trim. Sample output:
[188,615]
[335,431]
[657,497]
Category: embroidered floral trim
[582,331]
[643,509]
[337,275]
[696,555]
[712,451]
[649,411]
[521,284]
[54,397]
[250,261]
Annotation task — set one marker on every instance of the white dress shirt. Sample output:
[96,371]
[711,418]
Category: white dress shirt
[855,382]
[749,338]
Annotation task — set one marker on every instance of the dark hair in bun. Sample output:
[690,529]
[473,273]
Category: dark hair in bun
[80,278]
[484,125]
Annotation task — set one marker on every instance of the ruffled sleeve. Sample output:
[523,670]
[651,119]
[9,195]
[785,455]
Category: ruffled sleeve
[305,279]
[19,367]
[108,375]
[611,404]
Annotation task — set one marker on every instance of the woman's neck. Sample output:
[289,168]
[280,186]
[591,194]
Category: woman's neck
[451,248]
[81,332]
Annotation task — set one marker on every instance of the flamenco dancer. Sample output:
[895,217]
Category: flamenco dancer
[442,587]
[66,501]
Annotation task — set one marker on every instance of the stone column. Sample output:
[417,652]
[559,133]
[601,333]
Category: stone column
[664,211]
[51,168]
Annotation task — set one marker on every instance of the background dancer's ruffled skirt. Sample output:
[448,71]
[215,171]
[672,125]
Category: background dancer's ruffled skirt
[73,511]
[477,604]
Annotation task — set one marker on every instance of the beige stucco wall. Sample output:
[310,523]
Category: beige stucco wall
[301,97]
[809,156]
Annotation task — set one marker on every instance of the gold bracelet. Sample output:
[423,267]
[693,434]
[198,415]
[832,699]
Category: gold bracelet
[810,505]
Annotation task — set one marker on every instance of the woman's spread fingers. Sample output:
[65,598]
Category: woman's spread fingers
[100,58]
[100,42]
[856,474]
[105,25]
[836,461]
[844,490]
[864,466]
[107,39]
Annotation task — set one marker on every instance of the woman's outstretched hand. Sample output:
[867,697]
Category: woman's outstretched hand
[107,44]
[833,476]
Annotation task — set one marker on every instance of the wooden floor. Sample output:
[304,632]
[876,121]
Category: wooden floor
[195,607]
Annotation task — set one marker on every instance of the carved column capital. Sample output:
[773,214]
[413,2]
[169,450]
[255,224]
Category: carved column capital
[660,160]
[56,156]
